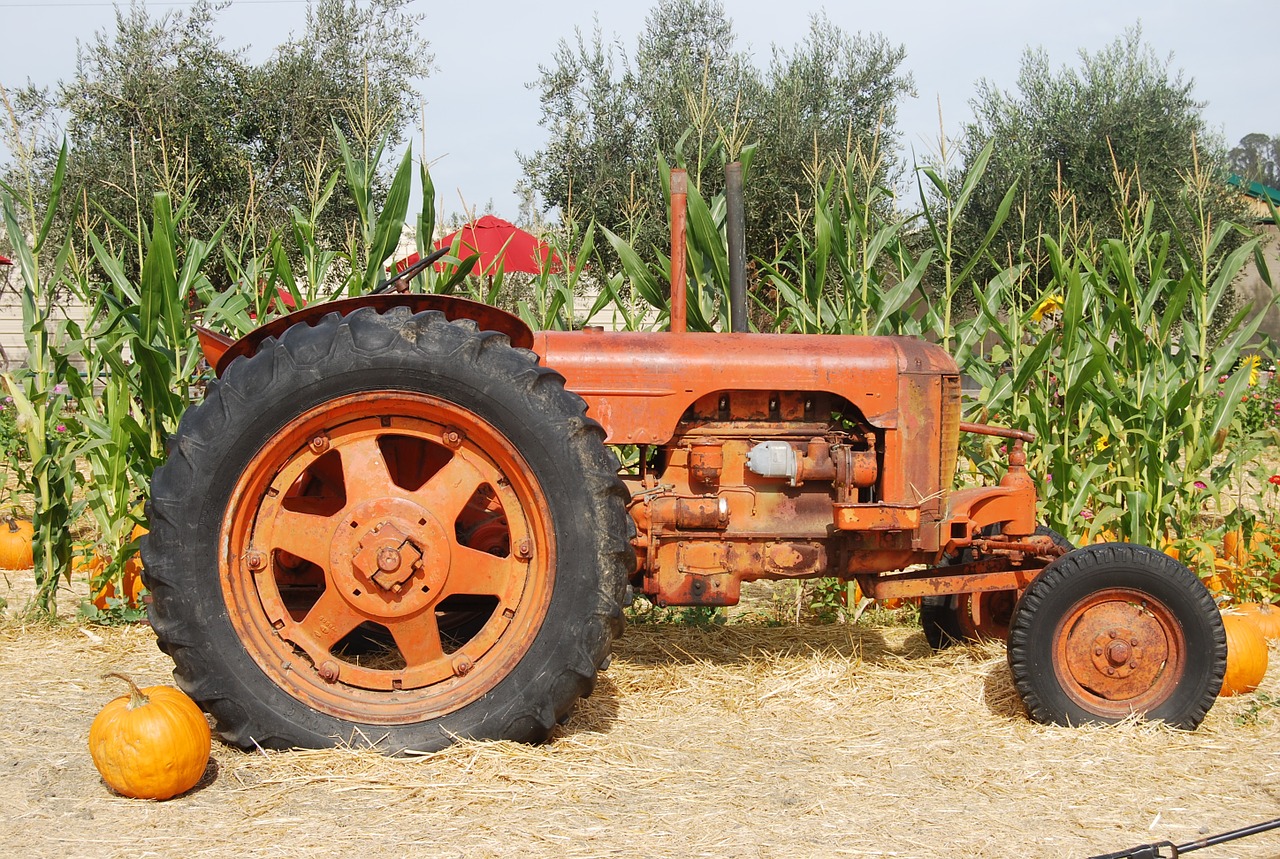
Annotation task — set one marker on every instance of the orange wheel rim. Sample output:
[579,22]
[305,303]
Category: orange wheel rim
[986,614]
[1118,651]
[387,557]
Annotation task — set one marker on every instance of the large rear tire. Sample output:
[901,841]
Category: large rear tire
[1115,629]
[389,530]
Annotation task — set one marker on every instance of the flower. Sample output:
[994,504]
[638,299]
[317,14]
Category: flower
[1252,362]
[1086,514]
[1051,305]
[61,427]
[1103,443]
[1200,484]
[1274,480]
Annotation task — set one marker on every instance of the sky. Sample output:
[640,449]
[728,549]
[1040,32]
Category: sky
[478,111]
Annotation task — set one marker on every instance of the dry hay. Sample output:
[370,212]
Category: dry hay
[744,740]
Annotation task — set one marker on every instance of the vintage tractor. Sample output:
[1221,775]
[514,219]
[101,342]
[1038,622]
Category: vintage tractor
[395,520]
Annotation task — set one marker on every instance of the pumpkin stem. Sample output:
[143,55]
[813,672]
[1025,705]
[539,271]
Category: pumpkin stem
[12,523]
[136,698]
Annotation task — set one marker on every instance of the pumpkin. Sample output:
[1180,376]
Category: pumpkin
[1234,548]
[15,544]
[1246,654]
[150,744]
[1265,616]
[92,564]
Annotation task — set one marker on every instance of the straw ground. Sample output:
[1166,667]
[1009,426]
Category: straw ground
[741,740]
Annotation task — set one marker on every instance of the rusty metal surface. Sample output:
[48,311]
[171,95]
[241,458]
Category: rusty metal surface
[986,614]
[994,574]
[679,258]
[998,432]
[488,318]
[638,384]
[1118,651]
[875,517]
[396,518]
[707,521]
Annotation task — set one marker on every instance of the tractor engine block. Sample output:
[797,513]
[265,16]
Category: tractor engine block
[745,491]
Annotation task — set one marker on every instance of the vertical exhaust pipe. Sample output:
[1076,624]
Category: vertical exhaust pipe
[679,256]
[736,226]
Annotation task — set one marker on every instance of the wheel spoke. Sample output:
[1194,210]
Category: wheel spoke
[305,535]
[480,573]
[418,639]
[330,619]
[449,490]
[364,470]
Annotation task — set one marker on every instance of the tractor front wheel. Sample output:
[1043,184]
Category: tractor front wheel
[1115,629]
[391,530]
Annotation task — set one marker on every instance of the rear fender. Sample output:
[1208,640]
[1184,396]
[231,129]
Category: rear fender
[221,350]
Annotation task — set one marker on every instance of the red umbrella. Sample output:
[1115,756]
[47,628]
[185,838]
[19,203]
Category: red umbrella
[499,243]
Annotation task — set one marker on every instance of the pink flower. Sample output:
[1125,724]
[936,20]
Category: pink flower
[1086,514]
[61,427]
[1200,485]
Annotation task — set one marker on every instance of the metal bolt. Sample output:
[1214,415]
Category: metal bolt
[1097,651]
[462,666]
[1111,671]
[255,560]
[1134,642]
[453,438]
[1112,633]
[524,550]
[329,671]
[1133,664]
[319,444]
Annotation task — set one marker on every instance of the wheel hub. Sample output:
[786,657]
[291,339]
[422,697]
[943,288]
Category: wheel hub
[1116,649]
[1117,652]
[389,558]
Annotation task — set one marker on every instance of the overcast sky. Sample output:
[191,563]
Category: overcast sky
[479,112]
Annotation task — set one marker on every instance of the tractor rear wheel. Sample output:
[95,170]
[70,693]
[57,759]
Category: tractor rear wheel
[389,530]
[1115,629]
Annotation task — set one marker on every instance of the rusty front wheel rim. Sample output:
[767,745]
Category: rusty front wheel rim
[1118,652]
[332,501]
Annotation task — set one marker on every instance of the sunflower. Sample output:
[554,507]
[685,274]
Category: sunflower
[1253,362]
[1051,305]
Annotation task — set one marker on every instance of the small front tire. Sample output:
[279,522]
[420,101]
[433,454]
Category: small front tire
[1115,629]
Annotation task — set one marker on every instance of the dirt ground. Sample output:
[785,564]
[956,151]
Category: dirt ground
[743,740]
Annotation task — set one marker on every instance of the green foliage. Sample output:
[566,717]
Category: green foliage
[159,105]
[1256,158]
[1259,703]
[644,612]
[689,95]
[38,395]
[1064,137]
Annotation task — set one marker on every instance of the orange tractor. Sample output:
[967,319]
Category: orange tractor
[397,520]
